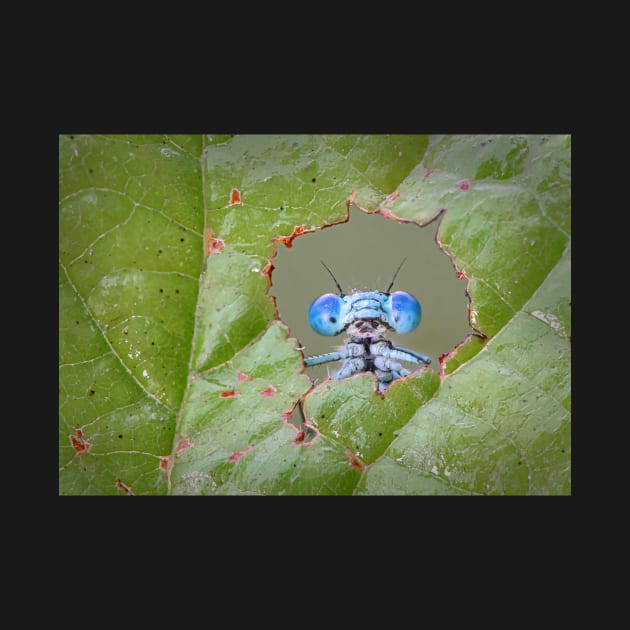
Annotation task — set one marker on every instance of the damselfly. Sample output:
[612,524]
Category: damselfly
[367,316]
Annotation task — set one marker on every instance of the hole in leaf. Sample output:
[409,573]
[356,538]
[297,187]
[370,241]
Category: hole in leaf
[363,254]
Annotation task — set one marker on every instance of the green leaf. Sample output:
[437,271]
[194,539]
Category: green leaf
[176,376]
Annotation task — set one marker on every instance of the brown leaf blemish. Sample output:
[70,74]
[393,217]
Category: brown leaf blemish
[464,184]
[298,230]
[183,445]
[238,455]
[429,171]
[125,488]
[384,212]
[213,245]
[305,437]
[235,197]
[354,461]
[79,443]
[267,269]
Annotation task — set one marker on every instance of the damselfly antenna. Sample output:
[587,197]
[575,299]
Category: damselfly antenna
[394,278]
[341,293]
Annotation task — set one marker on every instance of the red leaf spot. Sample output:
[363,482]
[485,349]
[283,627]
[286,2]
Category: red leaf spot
[235,197]
[429,171]
[213,245]
[287,415]
[183,445]
[230,393]
[299,437]
[355,462]
[270,391]
[126,489]
[164,463]
[240,377]
[463,184]
[80,445]
[460,274]
[234,457]
[288,240]
[442,358]
[393,196]
[267,269]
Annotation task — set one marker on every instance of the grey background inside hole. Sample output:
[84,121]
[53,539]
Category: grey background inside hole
[364,254]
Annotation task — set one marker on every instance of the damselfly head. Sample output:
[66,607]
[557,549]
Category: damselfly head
[331,314]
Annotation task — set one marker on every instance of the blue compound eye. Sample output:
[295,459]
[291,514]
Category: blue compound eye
[406,311]
[324,315]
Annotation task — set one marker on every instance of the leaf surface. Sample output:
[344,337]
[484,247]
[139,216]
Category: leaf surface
[176,376]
